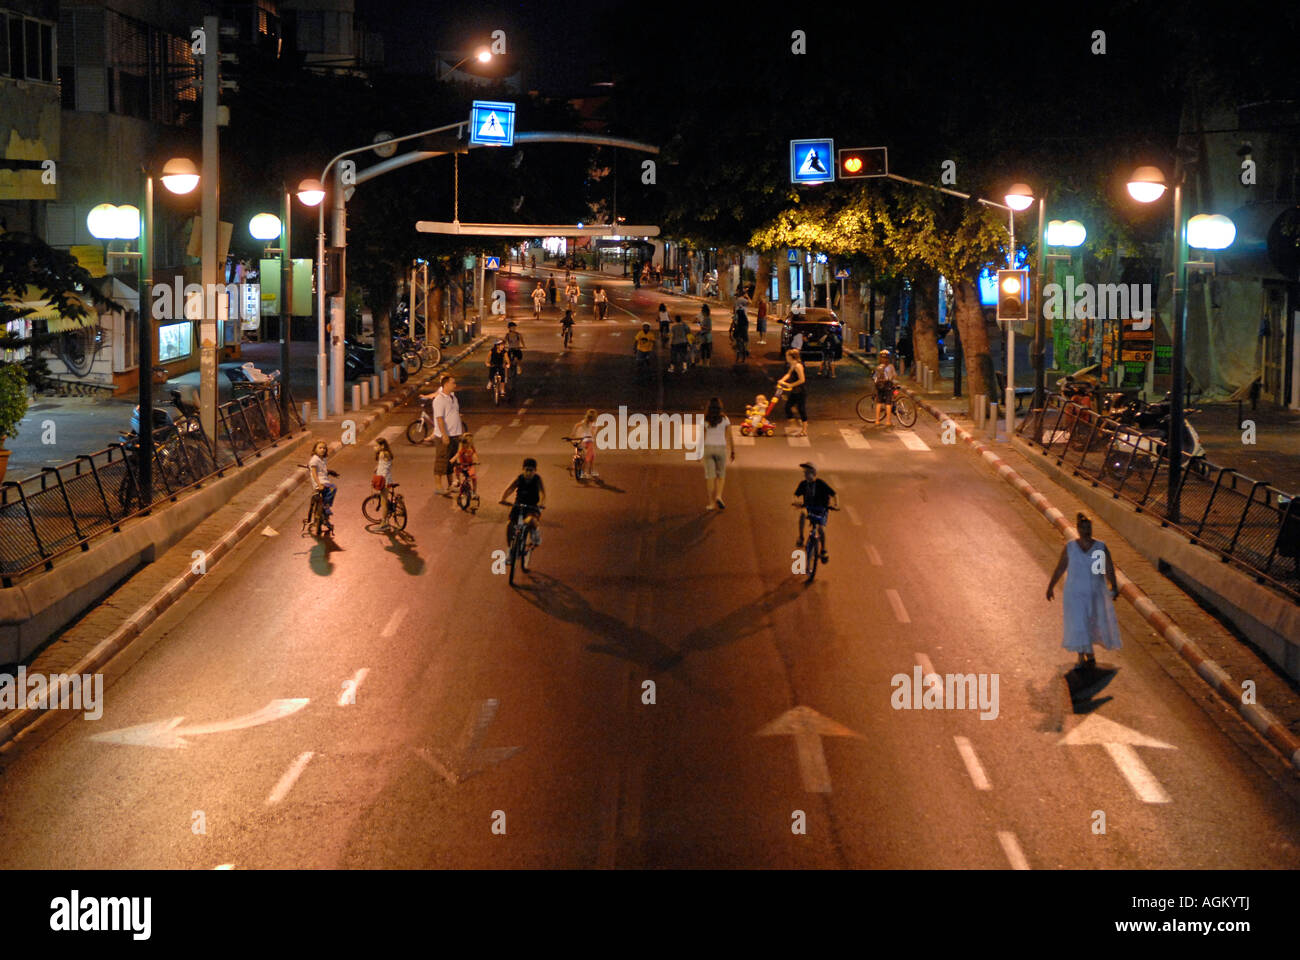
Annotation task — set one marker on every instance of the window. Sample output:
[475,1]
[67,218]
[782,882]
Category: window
[16,59]
[26,48]
[4,45]
[175,341]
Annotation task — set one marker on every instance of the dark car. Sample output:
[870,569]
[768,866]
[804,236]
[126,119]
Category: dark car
[817,324]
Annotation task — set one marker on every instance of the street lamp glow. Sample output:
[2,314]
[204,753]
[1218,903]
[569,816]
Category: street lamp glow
[311,192]
[1065,233]
[1147,184]
[127,218]
[1019,197]
[179,175]
[484,55]
[1210,231]
[264,226]
[102,221]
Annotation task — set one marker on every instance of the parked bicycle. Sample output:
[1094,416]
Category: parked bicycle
[903,407]
[386,505]
[421,428]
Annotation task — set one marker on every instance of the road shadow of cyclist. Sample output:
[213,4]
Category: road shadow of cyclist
[319,558]
[402,545]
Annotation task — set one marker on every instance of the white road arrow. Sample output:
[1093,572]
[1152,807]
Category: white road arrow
[807,726]
[468,757]
[1119,742]
[170,734]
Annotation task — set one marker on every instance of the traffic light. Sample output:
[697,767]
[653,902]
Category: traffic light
[1013,295]
[333,279]
[857,163]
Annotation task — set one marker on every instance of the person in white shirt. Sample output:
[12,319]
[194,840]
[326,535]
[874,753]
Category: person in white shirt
[585,430]
[447,429]
[320,475]
[719,449]
[600,303]
[884,380]
[539,299]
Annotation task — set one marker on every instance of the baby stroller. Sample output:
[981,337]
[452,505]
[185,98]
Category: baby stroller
[756,422]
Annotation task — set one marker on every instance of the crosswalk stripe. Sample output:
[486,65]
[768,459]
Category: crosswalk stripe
[531,435]
[855,440]
[739,439]
[392,433]
[488,432]
[795,441]
[911,440]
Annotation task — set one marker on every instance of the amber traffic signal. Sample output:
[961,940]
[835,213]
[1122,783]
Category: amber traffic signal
[859,162]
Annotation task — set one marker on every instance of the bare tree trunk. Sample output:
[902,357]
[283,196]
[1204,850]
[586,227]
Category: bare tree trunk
[925,319]
[783,279]
[851,309]
[435,324]
[975,342]
[763,276]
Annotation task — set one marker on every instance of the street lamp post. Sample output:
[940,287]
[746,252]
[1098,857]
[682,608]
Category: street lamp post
[180,176]
[1019,197]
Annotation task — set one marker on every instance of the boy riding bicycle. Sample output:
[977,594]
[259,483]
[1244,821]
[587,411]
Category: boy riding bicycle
[530,494]
[818,498]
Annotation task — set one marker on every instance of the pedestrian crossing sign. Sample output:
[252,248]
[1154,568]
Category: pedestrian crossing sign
[811,161]
[492,123]
[491,263]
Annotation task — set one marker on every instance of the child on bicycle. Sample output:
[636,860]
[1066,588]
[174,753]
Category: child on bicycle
[320,476]
[884,380]
[515,346]
[585,430]
[530,493]
[818,498]
[383,477]
[498,362]
[464,463]
[566,327]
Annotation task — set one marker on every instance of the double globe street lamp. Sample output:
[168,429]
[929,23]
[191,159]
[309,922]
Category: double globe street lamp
[108,222]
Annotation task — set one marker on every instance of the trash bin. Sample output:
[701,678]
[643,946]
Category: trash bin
[862,341]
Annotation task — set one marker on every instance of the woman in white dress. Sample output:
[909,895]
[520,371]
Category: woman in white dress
[1089,613]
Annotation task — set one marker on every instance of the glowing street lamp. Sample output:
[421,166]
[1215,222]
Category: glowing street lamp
[1210,231]
[1067,233]
[311,192]
[1019,197]
[264,226]
[179,175]
[1147,184]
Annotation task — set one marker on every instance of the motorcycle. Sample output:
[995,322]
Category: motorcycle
[359,361]
[1144,431]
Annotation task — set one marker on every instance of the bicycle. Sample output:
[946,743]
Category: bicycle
[421,428]
[815,543]
[579,458]
[373,507]
[522,538]
[566,334]
[512,380]
[903,407]
[317,521]
[741,346]
[498,389]
[466,489]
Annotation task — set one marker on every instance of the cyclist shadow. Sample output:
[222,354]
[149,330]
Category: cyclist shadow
[402,545]
[319,557]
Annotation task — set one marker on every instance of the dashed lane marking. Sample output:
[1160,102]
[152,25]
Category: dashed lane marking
[390,628]
[349,695]
[895,601]
[1012,849]
[874,555]
[973,765]
[739,439]
[290,778]
[488,432]
[853,514]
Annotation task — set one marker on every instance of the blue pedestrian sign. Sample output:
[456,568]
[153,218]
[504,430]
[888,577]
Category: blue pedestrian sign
[842,273]
[492,123]
[792,256]
[812,161]
[491,263]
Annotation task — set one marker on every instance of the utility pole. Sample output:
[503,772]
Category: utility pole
[211,215]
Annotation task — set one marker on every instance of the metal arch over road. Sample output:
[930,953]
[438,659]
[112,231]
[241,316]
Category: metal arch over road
[457,228]
[592,139]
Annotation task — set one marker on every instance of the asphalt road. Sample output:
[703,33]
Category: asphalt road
[661,690]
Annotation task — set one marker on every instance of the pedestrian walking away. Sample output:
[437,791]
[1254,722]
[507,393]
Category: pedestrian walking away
[1089,613]
[551,289]
[706,335]
[719,449]
[760,320]
[793,383]
[447,429]
[665,321]
[678,334]
[600,303]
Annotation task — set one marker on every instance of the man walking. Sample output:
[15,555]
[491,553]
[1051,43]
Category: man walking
[678,334]
[447,430]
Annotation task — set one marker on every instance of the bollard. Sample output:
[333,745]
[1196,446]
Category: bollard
[383,381]
[375,392]
[356,396]
[993,421]
[981,402]
[306,412]
[927,381]
[365,392]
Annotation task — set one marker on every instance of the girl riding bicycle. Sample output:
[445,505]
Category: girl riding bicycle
[585,430]
[383,477]
[464,464]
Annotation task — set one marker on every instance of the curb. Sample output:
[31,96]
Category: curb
[12,725]
[1257,716]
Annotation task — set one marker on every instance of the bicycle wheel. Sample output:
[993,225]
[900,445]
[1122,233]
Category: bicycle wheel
[463,497]
[514,554]
[372,508]
[432,355]
[417,431]
[867,408]
[398,518]
[316,516]
[526,549]
[412,362]
[812,553]
[905,410]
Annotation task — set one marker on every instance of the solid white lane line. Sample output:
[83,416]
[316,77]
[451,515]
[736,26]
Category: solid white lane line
[874,556]
[290,777]
[855,440]
[973,766]
[390,628]
[1012,849]
[349,695]
[1142,780]
[895,601]
[911,440]
[531,435]
[853,514]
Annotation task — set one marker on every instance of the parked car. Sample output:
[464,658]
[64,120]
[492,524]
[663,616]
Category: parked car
[815,323]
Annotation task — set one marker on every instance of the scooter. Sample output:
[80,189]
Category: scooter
[1141,446]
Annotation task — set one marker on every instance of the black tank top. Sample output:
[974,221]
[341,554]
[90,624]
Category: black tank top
[528,491]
